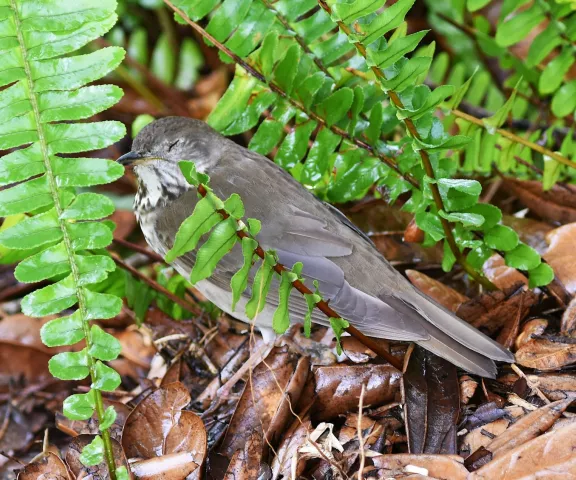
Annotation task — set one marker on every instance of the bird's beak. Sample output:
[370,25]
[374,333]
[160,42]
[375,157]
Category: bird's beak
[129,158]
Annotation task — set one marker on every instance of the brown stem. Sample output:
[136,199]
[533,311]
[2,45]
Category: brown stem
[140,249]
[395,99]
[304,290]
[156,286]
[389,161]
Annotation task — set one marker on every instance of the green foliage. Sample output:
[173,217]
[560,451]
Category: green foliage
[345,77]
[51,228]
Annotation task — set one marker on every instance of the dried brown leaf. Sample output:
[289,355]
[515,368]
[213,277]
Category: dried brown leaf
[292,440]
[493,310]
[557,204]
[562,255]
[549,456]
[245,463]
[533,327]
[262,399]
[438,466]
[546,355]
[481,437]
[413,234]
[159,426]
[125,221]
[528,427]
[443,294]
[568,325]
[432,403]
[468,388]
[338,388]
[49,467]
[555,386]
[501,275]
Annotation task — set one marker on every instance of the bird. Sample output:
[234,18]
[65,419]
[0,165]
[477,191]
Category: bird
[352,275]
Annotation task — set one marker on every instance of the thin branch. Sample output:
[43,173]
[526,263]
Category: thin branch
[137,248]
[446,225]
[304,290]
[156,286]
[250,69]
[515,138]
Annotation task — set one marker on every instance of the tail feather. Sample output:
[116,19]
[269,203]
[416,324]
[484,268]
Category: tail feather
[443,326]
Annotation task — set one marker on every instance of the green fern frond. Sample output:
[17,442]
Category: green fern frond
[48,91]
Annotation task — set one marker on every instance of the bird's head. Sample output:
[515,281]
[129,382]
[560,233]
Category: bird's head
[157,150]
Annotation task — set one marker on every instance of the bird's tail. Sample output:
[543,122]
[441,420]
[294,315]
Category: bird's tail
[455,340]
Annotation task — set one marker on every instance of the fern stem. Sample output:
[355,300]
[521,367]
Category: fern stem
[446,225]
[304,290]
[108,452]
[517,139]
[250,69]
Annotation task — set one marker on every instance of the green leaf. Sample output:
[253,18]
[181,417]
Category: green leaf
[74,72]
[338,325]
[51,299]
[519,26]
[395,50]
[69,365]
[25,197]
[523,257]
[295,144]
[552,171]
[80,406]
[460,93]
[260,287]
[93,453]
[203,219]
[219,243]
[335,107]
[104,346]
[541,276]
[109,418]
[21,164]
[564,100]
[311,301]
[348,12]
[553,75]
[82,137]
[490,213]
[93,268]
[478,256]
[89,206]
[234,206]
[448,259]
[122,472]
[286,69]
[501,237]
[89,235]
[466,219]
[105,378]
[390,18]
[46,264]
[405,75]
[239,280]
[233,102]
[57,106]
[473,5]
[63,331]
[32,232]
[254,226]
[281,319]
[499,117]
[85,172]
[193,177]
[101,305]
[430,224]
[163,61]
[459,194]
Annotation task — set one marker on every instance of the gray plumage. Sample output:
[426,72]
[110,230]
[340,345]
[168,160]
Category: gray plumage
[357,280]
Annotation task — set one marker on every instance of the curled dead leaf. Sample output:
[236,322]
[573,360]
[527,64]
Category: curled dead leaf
[338,388]
[546,355]
[49,467]
[468,387]
[292,440]
[413,234]
[245,463]
[557,204]
[436,466]
[443,294]
[159,427]
[548,456]
[96,472]
[480,437]
[528,427]
[531,328]
[501,275]
[568,325]
[561,255]
[275,385]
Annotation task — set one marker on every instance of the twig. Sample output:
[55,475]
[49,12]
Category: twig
[138,248]
[276,89]
[360,436]
[304,290]
[521,374]
[156,286]
[446,225]
[517,139]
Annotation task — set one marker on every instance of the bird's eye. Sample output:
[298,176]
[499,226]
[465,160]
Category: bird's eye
[172,145]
